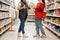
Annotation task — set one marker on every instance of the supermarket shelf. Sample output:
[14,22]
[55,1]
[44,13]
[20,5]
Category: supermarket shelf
[4,30]
[50,3]
[31,14]
[4,10]
[1,1]
[30,20]
[5,24]
[52,22]
[51,29]
[53,16]
[53,3]
[51,9]
[4,18]
[58,1]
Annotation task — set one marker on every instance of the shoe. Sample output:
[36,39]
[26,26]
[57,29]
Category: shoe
[37,35]
[25,36]
[19,35]
[43,36]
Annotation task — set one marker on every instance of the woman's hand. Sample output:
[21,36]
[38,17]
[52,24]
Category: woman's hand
[24,7]
[43,19]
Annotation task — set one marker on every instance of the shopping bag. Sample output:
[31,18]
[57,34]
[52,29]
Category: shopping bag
[44,14]
[16,21]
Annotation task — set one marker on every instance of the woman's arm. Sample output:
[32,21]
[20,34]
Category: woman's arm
[20,8]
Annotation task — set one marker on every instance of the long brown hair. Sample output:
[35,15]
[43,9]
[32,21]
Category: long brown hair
[43,1]
[23,1]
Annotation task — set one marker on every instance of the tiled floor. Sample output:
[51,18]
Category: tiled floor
[30,31]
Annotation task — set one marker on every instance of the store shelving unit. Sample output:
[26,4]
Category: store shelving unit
[4,10]
[31,15]
[54,4]
[4,30]
[52,21]
[53,16]
[5,20]
[2,1]
[51,29]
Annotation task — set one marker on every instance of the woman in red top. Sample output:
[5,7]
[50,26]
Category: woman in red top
[39,16]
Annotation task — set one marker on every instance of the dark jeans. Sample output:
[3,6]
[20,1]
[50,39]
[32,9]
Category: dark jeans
[21,28]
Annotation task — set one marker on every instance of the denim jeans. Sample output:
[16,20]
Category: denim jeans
[38,23]
[21,28]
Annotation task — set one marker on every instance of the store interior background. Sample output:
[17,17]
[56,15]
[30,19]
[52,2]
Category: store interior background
[52,21]
[28,1]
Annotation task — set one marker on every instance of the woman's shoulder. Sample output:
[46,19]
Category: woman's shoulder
[40,3]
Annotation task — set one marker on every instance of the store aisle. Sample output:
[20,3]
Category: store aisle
[30,31]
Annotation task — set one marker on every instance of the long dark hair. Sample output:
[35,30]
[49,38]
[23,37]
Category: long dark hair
[43,1]
[23,1]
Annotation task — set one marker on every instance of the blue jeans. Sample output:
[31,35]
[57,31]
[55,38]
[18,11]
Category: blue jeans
[21,28]
[38,23]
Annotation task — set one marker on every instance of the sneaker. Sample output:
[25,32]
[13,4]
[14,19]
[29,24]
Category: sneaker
[25,36]
[43,36]
[37,35]
[19,35]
